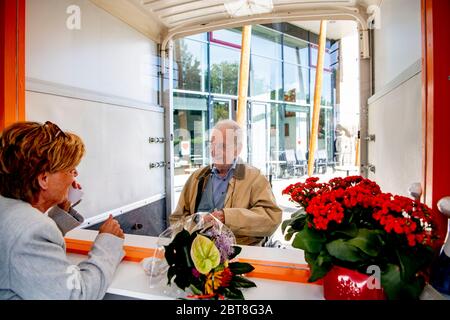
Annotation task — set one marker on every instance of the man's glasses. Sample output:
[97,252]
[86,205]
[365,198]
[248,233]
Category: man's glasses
[53,126]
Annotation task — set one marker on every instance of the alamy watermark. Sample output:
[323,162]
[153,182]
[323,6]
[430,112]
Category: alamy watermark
[74,279]
[73,22]
[374,281]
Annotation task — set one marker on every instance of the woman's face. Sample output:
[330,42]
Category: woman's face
[59,184]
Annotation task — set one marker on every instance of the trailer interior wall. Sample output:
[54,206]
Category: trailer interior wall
[100,82]
[395,109]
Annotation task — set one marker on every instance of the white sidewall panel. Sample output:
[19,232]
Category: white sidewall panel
[115,171]
[100,82]
[105,55]
[398,43]
[396,120]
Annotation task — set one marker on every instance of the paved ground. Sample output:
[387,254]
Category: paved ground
[277,185]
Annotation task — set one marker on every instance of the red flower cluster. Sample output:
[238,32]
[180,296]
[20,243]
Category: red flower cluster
[404,216]
[336,202]
[302,193]
[324,209]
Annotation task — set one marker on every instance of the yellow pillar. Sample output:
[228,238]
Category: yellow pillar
[317,97]
[243,79]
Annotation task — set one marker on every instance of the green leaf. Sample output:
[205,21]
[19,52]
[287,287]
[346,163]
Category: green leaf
[350,230]
[341,250]
[205,254]
[297,222]
[195,290]
[234,294]
[240,267]
[177,252]
[311,257]
[236,251]
[183,278]
[298,213]
[285,224]
[309,240]
[396,288]
[181,238]
[241,282]
[169,254]
[170,274]
[413,262]
[367,241]
[324,258]
[289,234]
[318,272]
[319,264]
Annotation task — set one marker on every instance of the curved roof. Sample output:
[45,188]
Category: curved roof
[162,20]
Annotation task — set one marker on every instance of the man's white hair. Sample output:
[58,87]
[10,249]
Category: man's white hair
[230,125]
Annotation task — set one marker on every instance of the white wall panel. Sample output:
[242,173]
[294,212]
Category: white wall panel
[105,55]
[395,110]
[398,41]
[100,82]
[395,119]
[115,171]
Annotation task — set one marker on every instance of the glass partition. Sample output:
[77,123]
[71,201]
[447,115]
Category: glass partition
[265,79]
[266,42]
[224,71]
[327,88]
[326,137]
[190,65]
[259,136]
[221,110]
[190,125]
[295,51]
[296,84]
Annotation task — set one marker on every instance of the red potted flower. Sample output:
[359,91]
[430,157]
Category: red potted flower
[365,244]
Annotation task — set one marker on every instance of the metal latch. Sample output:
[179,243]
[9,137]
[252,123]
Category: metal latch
[154,165]
[156,140]
[369,167]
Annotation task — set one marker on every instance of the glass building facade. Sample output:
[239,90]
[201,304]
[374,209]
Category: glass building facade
[281,89]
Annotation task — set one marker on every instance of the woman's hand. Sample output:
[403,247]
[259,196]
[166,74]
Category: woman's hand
[112,226]
[65,204]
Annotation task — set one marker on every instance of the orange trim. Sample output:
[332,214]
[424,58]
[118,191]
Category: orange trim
[12,62]
[133,254]
[436,113]
[424,102]
[280,271]
[21,11]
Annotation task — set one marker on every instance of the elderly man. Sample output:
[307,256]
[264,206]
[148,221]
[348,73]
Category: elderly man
[235,193]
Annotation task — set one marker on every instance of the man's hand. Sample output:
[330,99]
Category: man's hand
[219,215]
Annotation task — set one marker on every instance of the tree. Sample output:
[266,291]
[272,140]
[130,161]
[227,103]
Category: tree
[224,78]
[188,68]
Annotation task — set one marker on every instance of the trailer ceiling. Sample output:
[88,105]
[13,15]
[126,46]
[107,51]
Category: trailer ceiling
[162,20]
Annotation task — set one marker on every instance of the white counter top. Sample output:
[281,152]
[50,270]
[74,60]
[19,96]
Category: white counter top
[131,281]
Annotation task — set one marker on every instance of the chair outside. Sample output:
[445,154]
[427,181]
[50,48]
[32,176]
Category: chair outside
[321,162]
[293,167]
[302,162]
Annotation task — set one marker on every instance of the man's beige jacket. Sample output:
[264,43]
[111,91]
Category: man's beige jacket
[250,209]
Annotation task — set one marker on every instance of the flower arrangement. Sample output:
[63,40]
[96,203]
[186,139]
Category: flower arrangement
[350,223]
[201,262]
